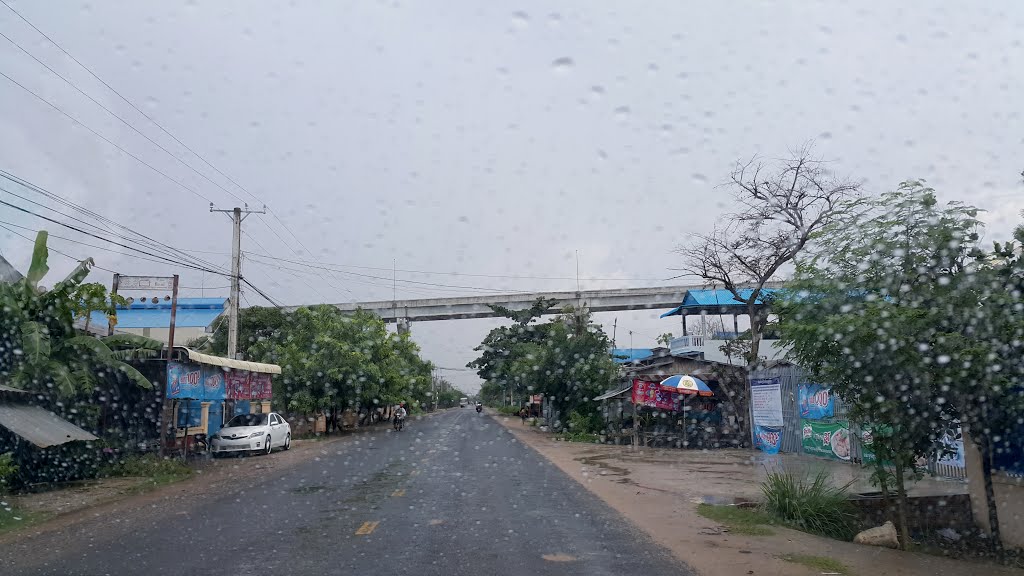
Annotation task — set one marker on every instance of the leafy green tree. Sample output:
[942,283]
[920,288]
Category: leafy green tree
[331,361]
[565,359]
[869,313]
[254,324]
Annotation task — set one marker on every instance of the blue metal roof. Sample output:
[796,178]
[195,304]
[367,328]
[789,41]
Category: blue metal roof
[191,313]
[719,298]
[627,355]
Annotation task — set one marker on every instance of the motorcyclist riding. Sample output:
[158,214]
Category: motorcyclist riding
[479,407]
[400,414]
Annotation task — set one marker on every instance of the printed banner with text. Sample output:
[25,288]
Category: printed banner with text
[652,394]
[827,439]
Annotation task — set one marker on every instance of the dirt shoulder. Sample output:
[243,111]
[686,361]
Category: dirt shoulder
[660,490]
[114,497]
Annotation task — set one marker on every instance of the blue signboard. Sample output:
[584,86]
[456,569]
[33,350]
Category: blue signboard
[816,402]
[768,439]
[184,380]
[213,383]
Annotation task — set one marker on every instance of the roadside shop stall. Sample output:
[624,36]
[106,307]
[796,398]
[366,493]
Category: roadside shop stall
[203,392]
[680,411]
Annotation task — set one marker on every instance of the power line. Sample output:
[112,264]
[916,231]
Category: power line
[122,120]
[311,265]
[80,231]
[438,273]
[31,241]
[142,238]
[155,123]
[180,184]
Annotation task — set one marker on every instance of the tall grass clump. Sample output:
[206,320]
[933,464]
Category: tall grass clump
[813,505]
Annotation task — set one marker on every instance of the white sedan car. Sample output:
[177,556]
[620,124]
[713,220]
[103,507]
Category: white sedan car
[252,433]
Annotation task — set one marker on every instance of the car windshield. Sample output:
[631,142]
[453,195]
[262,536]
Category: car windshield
[247,420]
[731,287]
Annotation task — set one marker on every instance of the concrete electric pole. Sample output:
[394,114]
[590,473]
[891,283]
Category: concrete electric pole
[237,215]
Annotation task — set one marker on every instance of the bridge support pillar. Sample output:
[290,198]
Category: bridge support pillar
[403,325]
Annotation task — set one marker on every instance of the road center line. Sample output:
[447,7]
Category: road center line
[367,528]
[399,492]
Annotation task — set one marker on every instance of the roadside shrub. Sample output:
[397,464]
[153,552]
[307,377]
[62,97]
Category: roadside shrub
[584,423]
[509,410]
[8,469]
[146,466]
[814,506]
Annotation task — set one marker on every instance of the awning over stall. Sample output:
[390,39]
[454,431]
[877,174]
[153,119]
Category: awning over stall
[211,360]
[615,393]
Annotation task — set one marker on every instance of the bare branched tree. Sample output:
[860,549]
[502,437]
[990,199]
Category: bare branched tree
[781,205]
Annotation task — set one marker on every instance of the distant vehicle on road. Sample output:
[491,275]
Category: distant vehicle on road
[463,402]
[252,433]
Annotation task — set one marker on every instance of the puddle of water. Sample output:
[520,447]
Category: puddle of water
[598,462]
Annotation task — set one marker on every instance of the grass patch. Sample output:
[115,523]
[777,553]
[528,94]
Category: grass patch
[156,471]
[16,519]
[580,437]
[747,521]
[811,505]
[822,563]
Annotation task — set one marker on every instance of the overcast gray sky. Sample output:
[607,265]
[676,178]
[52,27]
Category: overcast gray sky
[491,138]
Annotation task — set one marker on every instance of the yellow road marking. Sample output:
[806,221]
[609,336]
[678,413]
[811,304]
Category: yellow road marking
[367,528]
[414,473]
[399,492]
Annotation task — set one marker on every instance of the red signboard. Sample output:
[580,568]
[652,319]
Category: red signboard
[652,394]
[238,385]
[259,385]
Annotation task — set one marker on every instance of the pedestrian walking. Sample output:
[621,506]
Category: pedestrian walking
[522,414]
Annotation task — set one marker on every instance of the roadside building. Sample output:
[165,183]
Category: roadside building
[193,318]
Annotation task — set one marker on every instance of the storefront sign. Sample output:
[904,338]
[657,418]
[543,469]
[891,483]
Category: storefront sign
[766,401]
[237,383]
[259,386]
[213,383]
[184,380]
[652,394]
[816,402]
[768,439]
[827,439]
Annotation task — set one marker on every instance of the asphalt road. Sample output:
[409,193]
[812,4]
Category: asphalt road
[452,494]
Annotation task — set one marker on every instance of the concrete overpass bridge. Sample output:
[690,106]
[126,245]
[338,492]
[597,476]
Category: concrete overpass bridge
[463,307]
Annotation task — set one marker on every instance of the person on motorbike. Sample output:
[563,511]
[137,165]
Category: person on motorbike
[400,414]
[479,407]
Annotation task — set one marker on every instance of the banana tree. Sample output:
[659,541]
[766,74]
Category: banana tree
[39,347]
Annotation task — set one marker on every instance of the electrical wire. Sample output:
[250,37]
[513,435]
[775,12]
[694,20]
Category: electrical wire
[122,120]
[158,125]
[80,231]
[141,238]
[31,241]
[417,282]
[156,170]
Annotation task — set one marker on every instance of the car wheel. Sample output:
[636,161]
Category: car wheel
[287,441]
[269,446]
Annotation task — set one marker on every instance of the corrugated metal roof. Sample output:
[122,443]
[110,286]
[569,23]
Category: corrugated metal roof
[191,313]
[626,355]
[39,426]
[719,299]
[614,393]
[8,273]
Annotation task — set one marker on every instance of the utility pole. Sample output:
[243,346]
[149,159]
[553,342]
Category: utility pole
[237,215]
